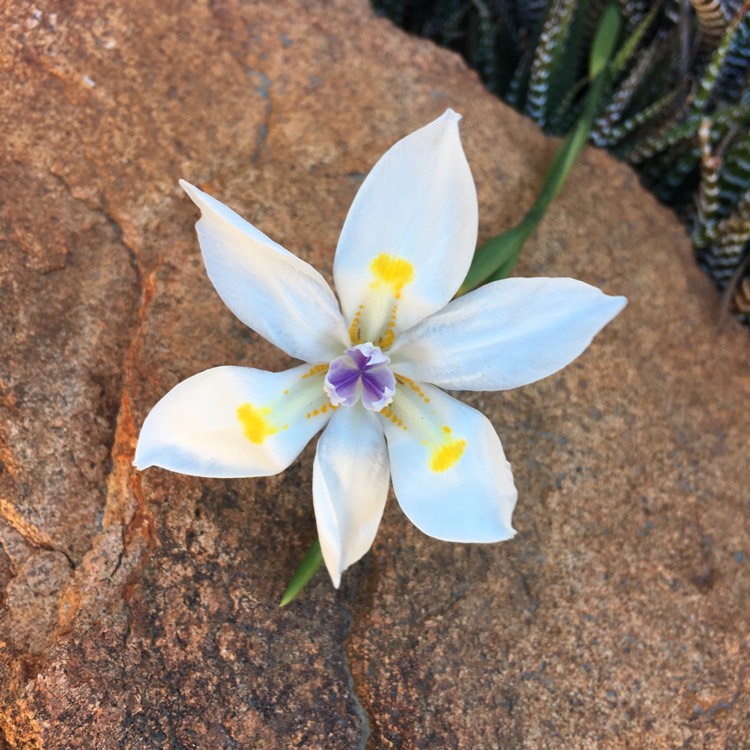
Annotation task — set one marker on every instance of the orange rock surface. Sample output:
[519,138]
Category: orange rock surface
[141,610]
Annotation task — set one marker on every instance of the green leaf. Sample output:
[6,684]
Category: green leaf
[499,251]
[605,40]
[631,43]
[304,573]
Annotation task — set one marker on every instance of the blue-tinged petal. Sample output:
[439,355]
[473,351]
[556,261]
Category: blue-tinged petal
[235,422]
[410,234]
[350,486]
[273,292]
[449,471]
[505,334]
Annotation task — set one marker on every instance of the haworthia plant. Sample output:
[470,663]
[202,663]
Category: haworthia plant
[677,105]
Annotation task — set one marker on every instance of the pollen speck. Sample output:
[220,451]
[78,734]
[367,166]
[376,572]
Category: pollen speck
[447,455]
[392,271]
[255,426]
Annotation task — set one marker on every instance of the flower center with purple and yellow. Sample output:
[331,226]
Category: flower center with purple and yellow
[362,372]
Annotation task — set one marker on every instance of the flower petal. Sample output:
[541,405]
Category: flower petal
[234,422]
[505,334]
[270,290]
[448,467]
[410,234]
[350,487]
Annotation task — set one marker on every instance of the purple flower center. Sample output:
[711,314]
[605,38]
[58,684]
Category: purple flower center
[361,372]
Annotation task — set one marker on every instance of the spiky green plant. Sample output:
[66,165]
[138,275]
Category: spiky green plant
[677,106]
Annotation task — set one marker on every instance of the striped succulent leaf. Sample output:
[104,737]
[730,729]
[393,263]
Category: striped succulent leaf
[734,178]
[708,203]
[519,84]
[618,134]
[671,180]
[569,82]
[731,243]
[713,72]
[712,17]
[734,76]
[547,56]
[674,131]
[623,94]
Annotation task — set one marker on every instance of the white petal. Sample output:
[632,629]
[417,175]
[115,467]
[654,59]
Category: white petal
[234,422]
[448,468]
[410,234]
[273,292]
[505,334]
[350,486]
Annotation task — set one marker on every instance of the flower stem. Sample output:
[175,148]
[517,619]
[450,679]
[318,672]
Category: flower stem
[495,258]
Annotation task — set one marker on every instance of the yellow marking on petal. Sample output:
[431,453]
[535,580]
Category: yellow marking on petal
[389,414]
[321,410]
[409,382]
[355,329]
[255,426]
[391,271]
[386,340]
[447,455]
[315,370]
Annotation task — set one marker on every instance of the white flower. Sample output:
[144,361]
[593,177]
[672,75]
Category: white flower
[375,361]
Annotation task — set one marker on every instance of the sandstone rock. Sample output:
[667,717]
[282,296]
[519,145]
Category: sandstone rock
[140,610]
